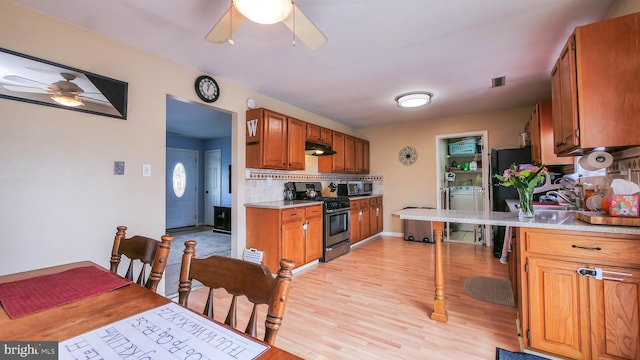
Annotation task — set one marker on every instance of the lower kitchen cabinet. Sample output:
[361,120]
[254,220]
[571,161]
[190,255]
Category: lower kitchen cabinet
[354,222]
[291,233]
[366,218]
[375,210]
[580,294]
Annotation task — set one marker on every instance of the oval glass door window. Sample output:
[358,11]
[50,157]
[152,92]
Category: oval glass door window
[179,179]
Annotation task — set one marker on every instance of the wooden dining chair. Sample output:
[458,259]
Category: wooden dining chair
[142,250]
[238,278]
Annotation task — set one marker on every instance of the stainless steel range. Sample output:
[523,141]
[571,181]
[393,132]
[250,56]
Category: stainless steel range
[336,218]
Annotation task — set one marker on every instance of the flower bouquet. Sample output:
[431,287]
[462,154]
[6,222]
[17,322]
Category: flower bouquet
[524,178]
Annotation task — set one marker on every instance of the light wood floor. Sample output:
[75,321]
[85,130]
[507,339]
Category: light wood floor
[375,302]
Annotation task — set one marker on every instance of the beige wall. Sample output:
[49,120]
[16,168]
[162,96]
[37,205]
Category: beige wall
[59,201]
[416,185]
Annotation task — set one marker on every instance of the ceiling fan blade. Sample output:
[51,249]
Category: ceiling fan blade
[305,30]
[24,88]
[228,23]
[25,81]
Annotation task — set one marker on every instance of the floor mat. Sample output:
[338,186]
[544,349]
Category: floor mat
[502,354]
[491,290]
[209,243]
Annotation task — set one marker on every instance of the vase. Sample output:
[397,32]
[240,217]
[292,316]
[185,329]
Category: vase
[526,203]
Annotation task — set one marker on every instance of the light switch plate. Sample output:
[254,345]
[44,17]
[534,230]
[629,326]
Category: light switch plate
[118,168]
[146,169]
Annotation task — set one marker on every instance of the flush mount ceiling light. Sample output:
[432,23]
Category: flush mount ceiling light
[264,11]
[414,99]
[67,100]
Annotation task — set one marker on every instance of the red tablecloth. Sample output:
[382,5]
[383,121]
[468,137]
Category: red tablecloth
[24,297]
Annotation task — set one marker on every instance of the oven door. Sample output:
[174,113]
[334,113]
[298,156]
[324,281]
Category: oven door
[336,226]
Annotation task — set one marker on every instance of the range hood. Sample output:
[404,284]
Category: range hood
[314,149]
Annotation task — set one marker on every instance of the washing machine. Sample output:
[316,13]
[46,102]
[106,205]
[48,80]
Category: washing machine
[466,198]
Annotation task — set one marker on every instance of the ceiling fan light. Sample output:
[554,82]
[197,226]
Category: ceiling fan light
[414,99]
[264,11]
[66,100]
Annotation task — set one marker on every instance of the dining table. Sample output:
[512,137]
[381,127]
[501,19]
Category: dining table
[84,315]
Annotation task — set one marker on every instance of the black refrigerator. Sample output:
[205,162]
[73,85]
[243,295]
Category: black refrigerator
[501,159]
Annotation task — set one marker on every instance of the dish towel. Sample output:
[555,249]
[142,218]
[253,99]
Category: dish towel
[506,244]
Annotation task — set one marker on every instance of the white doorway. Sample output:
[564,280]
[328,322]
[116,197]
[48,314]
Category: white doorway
[181,188]
[472,183]
[212,178]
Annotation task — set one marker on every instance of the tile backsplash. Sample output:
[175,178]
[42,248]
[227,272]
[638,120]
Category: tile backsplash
[626,166]
[268,185]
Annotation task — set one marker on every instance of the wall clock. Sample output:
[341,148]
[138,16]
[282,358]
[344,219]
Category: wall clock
[207,88]
[408,155]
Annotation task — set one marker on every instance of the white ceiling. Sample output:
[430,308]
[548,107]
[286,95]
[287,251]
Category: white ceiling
[377,49]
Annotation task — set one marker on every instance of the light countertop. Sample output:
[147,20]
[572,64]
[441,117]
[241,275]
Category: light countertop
[283,204]
[544,219]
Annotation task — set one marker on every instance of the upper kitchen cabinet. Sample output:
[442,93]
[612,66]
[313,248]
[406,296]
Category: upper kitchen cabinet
[352,155]
[361,156]
[540,128]
[318,134]
[595,86]
[274,141]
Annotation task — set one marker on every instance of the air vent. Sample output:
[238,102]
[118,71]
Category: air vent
[497,82]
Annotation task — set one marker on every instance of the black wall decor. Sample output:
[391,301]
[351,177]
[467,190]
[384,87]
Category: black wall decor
[30,79]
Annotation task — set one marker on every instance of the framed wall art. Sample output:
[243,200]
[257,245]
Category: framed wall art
[37,81]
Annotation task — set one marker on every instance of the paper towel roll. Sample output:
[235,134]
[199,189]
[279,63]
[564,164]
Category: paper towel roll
[596,160]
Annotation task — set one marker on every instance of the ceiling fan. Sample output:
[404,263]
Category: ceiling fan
[267,12]
[64,92]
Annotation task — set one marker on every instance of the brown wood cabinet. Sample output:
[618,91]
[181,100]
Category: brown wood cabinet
[366,167]
[352,155]
[354,222]
[292,233]
[366,218]
[375,211]
[349,154]
[313,234]
[593,84]
[361,156]
[274,141]
[541,134]
[318,134]
[580,293]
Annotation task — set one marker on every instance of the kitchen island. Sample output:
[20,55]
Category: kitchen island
[552,219]
[577,285]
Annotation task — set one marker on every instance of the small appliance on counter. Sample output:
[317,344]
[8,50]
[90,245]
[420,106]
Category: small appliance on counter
[355,188]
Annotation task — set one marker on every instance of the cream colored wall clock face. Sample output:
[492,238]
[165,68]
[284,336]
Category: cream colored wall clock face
[408,155]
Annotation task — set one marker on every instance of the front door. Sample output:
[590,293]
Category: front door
[181,188]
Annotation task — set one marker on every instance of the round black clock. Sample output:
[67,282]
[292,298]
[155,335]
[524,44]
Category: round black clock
[207,88]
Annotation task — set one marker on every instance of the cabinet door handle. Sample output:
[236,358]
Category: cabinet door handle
[597,248]
[360,215]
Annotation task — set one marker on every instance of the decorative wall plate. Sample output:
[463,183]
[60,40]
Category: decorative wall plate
[408,155]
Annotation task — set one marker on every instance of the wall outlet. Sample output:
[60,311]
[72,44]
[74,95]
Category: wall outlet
[118,168]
